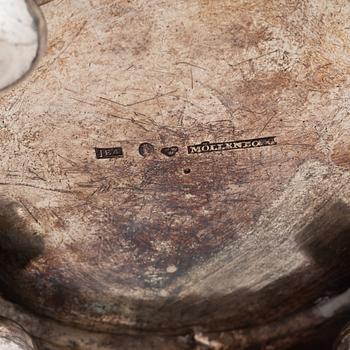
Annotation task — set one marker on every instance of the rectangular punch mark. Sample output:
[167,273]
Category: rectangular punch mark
[107,153]
[206,147]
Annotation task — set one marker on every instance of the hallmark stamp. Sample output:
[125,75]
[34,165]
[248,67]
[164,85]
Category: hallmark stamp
[146,149]
[170,151]
[107,153]
[206,147]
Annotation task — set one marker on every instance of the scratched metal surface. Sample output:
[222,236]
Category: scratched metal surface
[160,239]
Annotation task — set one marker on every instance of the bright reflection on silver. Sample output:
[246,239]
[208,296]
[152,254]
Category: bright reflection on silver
[22,39]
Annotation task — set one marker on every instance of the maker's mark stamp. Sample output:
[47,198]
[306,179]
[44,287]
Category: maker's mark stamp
[106,153]
[206,147]
[146,149]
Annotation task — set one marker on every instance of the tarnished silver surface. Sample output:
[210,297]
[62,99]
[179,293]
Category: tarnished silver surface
[180,169]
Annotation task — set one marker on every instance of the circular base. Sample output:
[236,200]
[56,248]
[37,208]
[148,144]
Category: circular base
[173,165]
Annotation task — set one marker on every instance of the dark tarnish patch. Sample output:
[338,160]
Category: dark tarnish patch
[148,238]
[19,245]
[327,241]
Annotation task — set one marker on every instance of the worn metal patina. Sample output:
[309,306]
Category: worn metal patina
[109,223]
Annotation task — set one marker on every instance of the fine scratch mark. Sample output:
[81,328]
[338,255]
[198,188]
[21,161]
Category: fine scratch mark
[192,79]
[189,64]
[132,120]
[17,184]
[266,124]
[84,102]
[93,193]
[138,102]
[39,177]
[253,58]
[45,67]
[222,98]
[72,40]
[30,213]
[67,160]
